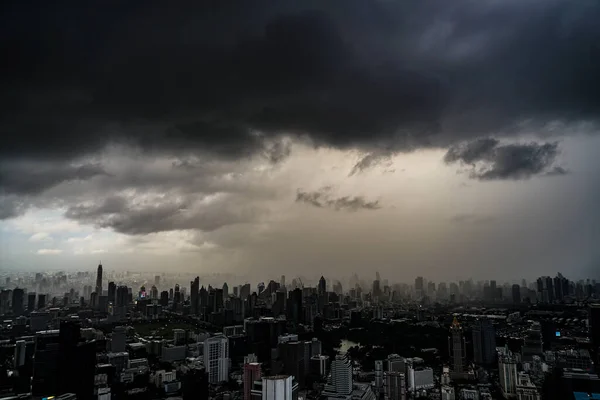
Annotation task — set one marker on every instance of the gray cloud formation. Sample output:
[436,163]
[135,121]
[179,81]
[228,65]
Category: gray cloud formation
[370,161]
[130,217]
[489,160]
[323,198]
[33,178]
[349,73]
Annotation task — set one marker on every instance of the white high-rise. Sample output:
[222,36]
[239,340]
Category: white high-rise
[279,387]
[507,368]
[216,358]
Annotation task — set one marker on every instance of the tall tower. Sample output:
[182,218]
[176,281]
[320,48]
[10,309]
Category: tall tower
[322,285]
[252,372]
[194,303]
[99,280]
[484,342]
[507,369]
[216,358]
[340,380]
[457,347]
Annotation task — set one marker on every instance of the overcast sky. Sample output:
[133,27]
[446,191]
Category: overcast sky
[440,138]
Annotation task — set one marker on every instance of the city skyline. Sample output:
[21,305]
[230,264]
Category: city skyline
[449,139]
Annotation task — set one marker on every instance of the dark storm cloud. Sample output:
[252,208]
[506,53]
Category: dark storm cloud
[490,160]
[25,178]
[205,76]
[323,198]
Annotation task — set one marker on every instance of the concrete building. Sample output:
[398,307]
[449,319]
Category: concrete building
[507,370]
[447,393]
[216,358]
[278,387]
[395,385]
[457,347]
[340,380]
[252,373]
[525,389]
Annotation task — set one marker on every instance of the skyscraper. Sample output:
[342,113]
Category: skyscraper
[278,387]
[507,369]
[395,386]
[322,286]
[112,292]
[484,342]
[456,345]
[99,280]
[17,301]
[340,380]
[194,288]
[252,372]
[378,376]
[516,294]
[31,301]
[216,358]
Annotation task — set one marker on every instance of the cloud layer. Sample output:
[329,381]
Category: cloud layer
[347,74]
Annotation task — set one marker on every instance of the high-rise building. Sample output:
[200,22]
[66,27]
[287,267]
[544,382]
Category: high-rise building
[45,364]
[456,345]
[225,292]
[31,301]
[76,362]
[216,358]
[419,286]
[118,339]
[378,376]
[99,280]
[340,380]
[122,301]
[484,342]
[322,286]
[294,306]
[41,301]
[194,303]
[594,320]
[112,292]
[252,372]
[164,298]
[18,297]
[157,280]
[395,385]
[292,355]
[278,387]
[507,369]
[532,344]
[516,294]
